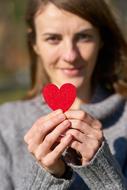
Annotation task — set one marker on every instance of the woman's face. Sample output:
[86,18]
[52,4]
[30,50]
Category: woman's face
[67,45]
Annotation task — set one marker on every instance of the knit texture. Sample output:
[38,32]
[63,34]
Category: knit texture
[106,171]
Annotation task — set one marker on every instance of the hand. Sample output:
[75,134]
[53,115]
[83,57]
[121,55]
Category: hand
[87,134]
[42,137]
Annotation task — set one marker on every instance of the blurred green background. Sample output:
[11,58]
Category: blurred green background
[14,61]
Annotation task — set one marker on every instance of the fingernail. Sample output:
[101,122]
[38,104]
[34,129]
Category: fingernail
[61,116]
[59,111]
[67,123]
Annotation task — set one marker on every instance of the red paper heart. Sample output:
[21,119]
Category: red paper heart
[61,98]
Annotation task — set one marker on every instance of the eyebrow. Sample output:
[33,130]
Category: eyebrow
[50,33]
[86,30]
[78,32]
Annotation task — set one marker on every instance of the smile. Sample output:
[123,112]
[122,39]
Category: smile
[71,71]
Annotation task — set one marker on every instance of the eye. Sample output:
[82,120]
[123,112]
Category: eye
[84,37]
[53,39]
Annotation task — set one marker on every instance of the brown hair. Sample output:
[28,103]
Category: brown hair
[111,67]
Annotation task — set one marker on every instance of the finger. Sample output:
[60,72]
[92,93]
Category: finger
[86,149]
[44,127]
[46,118]
[80,115]
[60,148]
[40,121]
[96,125]
[52,114]
[81,137]
[86,129]
[45,147]
[77,135]
[83,116]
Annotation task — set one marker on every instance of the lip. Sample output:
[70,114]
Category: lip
[71,72]
[71,68]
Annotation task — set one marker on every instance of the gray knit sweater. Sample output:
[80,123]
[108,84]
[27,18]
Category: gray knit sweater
[106,171]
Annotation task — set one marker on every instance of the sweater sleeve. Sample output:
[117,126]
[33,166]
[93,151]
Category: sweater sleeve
[103,172]
[33,177]
[6,182]
[39,179]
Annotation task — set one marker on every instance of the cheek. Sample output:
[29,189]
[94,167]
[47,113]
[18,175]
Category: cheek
[48,55]
[90,52]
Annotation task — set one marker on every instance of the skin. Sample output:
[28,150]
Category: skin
[68,47]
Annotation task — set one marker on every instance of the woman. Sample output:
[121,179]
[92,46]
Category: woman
[74,42]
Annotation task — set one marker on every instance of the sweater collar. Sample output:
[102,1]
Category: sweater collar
[101,106]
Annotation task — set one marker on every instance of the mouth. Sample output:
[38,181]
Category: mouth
[71,71]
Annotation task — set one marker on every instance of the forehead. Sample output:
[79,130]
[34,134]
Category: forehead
[51,17]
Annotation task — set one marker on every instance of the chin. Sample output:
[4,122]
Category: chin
[76,82]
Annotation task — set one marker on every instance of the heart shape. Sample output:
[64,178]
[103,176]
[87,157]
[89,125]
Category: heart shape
[61,98]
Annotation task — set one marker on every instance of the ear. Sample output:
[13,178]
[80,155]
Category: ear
[35,48]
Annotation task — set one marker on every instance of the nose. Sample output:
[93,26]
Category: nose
[70,52]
